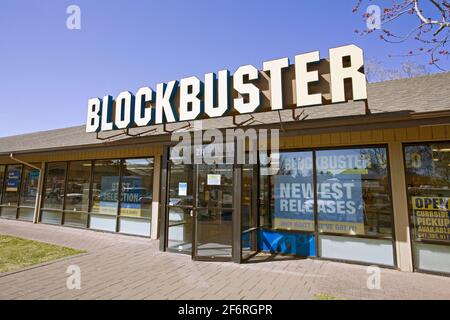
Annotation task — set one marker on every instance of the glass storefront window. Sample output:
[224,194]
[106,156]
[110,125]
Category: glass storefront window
[78,184]
[181,185]
[67,201]
[353,192]
[28,193]
[105,187]
[54,186]
[428,182]
[136,190]
[29,187]
[293,193]
[215,186]
[341,193]
[12,185]
[77,193]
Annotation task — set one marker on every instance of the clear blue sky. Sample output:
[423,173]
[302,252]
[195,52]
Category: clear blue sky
[47,72]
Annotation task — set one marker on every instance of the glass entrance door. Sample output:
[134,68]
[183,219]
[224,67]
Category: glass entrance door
[199,211]
[214,212]
[180,208]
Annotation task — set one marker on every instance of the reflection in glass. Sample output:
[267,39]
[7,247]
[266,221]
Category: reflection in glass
[215,186]
[26,214]
[428,182]
[179,235]
[54,186]
[12,185]
[78,184]
[29,187]
[293,192]
[8,212]
[105,187]
[180,208]
[353,192]
[214,232]
[51,217]
[136,191]
[181,185]
[214,211]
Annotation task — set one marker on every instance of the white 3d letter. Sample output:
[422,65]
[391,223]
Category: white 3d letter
[107,110]
[246,88]
[124,106]
[190,97]
[93,118]
[303,78]
[223,96]
[143,115]
[275,68]
[164,96]
[339,73]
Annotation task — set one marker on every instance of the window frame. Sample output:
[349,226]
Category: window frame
[408,202]
[117,215]
[22,185]
[19,191]
[42,208]
[314,150]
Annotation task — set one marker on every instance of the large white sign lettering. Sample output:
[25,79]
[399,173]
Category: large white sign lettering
[309,82]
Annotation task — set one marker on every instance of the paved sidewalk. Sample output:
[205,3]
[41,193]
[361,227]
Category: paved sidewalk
[123,267]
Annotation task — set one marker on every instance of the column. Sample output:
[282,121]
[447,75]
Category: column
[400,206]
[155,201]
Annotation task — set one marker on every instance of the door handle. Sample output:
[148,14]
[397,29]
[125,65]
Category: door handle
[191,212]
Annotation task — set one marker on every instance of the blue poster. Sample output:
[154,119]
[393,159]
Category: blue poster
[132,193]
[300,244]
[294,203]
[340,204]
[13,180]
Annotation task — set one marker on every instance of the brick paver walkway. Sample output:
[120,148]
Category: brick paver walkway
[123,267]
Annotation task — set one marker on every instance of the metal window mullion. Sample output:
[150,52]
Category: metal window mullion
[3,187]
[20,191]
[91,187]
[255,203]
[44,193]
[119,193]
[316,205]
[40,186]
[236,248]
[66,179]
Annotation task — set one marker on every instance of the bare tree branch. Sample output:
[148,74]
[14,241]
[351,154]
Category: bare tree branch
[429,31]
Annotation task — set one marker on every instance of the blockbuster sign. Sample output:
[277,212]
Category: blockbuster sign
[308,82]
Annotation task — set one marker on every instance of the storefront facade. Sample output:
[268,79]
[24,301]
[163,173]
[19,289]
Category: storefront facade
[399,188]
[369,188]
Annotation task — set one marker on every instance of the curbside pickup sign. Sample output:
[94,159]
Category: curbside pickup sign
[310,81]
[432,218]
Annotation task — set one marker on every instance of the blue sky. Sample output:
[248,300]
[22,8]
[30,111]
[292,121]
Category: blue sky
[47,72]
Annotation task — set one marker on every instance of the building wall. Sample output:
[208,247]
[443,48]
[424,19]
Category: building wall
[393,138]
[381,136]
